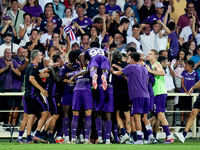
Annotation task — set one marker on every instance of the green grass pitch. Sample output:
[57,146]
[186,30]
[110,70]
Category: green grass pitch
[190,144]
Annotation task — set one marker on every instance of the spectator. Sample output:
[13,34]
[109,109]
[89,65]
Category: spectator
[129,14]
[178,66]
[82,21]
[178,9]
[68,19]
[118,40]
[8,44]
[161,35]
[101,12]
[197,5]
[145,9]
[8,68]
[186,32]
[159,14]
[173,40]
[25,29]
[122,29]
[84,44]
[195,31]
[112,7]
[147,38]
[133,37]
[7,28]
[35,44]
[98,22]
[92,8]
[16,16]
[33,8]
[188,80]
[133,4]
[59,8]
[196,60]
[184,20]
[50,17]
[190,49]
[46,37]
[43,3]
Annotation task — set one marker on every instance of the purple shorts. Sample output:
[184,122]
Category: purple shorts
[100,62]
[24,104]
[104,100]
[159,103]
[82,98]
[54,104]
[67,97]
[140,105]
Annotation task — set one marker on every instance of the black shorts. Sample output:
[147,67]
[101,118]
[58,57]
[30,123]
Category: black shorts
[197,103]
[36,105]
[54,104]
[185,102]
[121,99]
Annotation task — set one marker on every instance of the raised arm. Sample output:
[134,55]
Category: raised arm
[158,70]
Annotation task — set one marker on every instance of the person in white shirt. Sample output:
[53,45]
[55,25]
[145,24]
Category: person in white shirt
[186,32]
[8,44]
[161,35]
[68,19]
[25,29]
[147,39]
[129,14]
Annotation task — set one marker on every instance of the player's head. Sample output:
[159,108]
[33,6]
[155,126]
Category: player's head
[116,56]
[163,61]
[59,58]
[130,50]
[36,56]
[152,55]
[133,58]
[94,44]
[189,64]
[112,47]
[73,56]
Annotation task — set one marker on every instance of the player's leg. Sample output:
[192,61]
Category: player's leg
[108,127]
[104,78]
[148,128]
[31,118]
[94,76]
[51,128]
[138,126]
[87,125]
[22,128]
[74,126]
[98,123]
[133,129]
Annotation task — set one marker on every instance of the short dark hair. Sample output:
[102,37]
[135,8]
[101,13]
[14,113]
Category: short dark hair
[34,30]
[94,44]
[171,26]
[161,51]
[14,1]
[128,7]
[98,20]
[147,22]
[56,57]
[27,14]
[162,59]
[135,26]
[84,35]
[68,8]
[190,63]
[117,55]
[112,45]
[135,56]
[131,49]
[102,5]
[124,20]
[189,4]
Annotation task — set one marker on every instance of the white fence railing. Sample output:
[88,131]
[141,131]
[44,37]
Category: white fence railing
[194,97]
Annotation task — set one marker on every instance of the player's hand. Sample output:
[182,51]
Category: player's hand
[70,81]
[44,92]
[190,91]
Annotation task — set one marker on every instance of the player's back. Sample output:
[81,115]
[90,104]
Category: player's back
[92,52]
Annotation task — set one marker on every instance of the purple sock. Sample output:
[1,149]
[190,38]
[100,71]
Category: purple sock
[66,126]
[37,133]
[87,126]
[139,137]
[105,74]
[108,129]
[74,126]
[146,135]
[184,134]
[104,128]
[21,133]
[166,130]
[115,131]
[149,132]
[98,123]
[92,72]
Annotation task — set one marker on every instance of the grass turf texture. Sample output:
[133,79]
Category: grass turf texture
[190,144]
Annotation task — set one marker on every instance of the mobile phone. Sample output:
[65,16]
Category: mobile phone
[131,11]
[114,13]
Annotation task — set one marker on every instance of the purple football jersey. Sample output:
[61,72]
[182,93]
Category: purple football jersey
[90,53]
[137,76]
[189,79]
